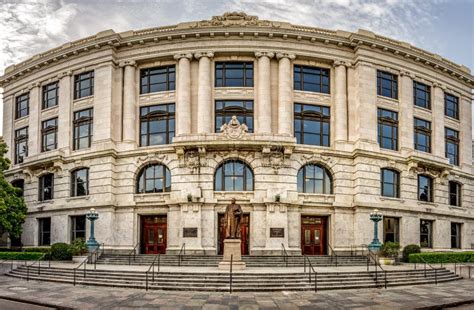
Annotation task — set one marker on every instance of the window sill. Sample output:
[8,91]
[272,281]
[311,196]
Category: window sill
[457,120]
[394,100]
[459,208]
[82,99]
[428,110]
[431,204]
[46,110]
[392,199]
[87,197]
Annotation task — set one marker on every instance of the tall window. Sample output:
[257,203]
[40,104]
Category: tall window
[451,106]
[234,74]
[50,95]
[455,235]
[387,84]
[84,84]
[157,124]
[157,79]
[312,124]
[21,144]
[390,180]
[22,105]
[243,110]
[46,187]
[19,184]
[83,121]
[233,175]
[388,129]
[391,229]
[78,227]
[80,182]
[452,145]
[44,230]
[154,178]
[49,135]
[426,234]
[314,179]
[312,79]
[454,194]
[425,188]
[422,95]
[422,135]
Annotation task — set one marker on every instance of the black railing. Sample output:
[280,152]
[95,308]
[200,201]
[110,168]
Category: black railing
[34,263]
[94,255]
[374,257]
[230,273]
[83,263]
[333,254]
[425,263]
[356,249]
[284,254]
[311,269]
[461,266]
[133,252]
[156,262]
[181,253]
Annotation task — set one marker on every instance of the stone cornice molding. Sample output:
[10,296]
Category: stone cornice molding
[280,55]
[207,54]
[189,56]
[268,54]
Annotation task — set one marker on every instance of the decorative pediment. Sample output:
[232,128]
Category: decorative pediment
[231,19]
[432,170]
[234,130]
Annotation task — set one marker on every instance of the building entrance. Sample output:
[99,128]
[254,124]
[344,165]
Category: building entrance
[244,234]
[313,235]
[154,231]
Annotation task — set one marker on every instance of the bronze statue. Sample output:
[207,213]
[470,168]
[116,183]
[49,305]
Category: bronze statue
[233,217]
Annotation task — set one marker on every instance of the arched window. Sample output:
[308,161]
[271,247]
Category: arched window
[20,185]
[154,178]
[390,183]
[233,175]
[314,179]
[80,182]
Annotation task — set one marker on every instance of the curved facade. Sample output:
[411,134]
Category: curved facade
[309,129]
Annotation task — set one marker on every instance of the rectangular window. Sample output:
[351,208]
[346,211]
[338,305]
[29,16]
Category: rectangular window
[312,124]
[78,227]
[22,105]
[234,74]
[454,194]
[46,187]
[451,106]
[49,134]
[243,110]
[426,234]
[390,180]
[157,79]
[157,124]
[83,126]
[422,95]
[80,182]
[387,84]
[387,129]
[44,229]
[21,144]
[50,95]
[425,188]
[422,135]
[452,146]
[84,85]
[455,235]
[312,79]
[391,228]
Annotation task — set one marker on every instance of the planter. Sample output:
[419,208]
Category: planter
[386,261]
[78,259]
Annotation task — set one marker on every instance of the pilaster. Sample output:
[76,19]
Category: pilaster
[64,108]
[465,115]
[34,128]
[406,111]
[340,102]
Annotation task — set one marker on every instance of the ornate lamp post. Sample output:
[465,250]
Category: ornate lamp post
[92,215]
[375,217]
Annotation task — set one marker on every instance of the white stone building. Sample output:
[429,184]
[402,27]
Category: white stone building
[337,124]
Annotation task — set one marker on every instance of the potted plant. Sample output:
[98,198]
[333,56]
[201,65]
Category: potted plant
[78,250]
[388,253]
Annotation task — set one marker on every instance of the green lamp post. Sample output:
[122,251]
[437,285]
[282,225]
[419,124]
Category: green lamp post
[375,217]
[92,216]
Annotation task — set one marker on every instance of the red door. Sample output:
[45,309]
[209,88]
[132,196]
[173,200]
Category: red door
[154,234]
[244,234]
[313,235]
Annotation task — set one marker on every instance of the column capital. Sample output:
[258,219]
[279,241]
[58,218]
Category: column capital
[407,74]
[207,54]
[33,85]
[338,62]
[268,54]
[439,85]
[64,74]
[280,55]
[189,56]
[127,63]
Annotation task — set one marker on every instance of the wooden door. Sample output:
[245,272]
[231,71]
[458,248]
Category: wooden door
[154,232]
[244,234]
[313,235]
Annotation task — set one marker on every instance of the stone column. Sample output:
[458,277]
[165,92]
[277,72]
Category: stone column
[264,104]
[340,101]
[183,94]
[406,111]
[465,145]
[129,102]
[438,120]
[285,94]
[64,115]
[34,127]
[204,96]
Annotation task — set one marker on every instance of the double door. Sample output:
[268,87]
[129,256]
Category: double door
[154,233]
[313,235]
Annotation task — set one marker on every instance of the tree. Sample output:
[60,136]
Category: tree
[12,206]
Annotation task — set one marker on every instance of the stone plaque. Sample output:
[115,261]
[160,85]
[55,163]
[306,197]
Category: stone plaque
[190,232]
[277,232]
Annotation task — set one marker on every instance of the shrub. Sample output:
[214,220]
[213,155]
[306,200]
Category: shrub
[78,247]
[61,251]
[38,250]
[410,249]
[442,257]
[20,255]
[390,249]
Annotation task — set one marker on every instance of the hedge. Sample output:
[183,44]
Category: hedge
[20,255]
[439,257]
[38,250]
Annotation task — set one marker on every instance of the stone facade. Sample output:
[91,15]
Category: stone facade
[354,158]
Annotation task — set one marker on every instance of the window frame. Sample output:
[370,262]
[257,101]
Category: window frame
[393,84]
[165,179]
[18,140]
[327,176]
[310,115]
[448,98]
[74,230]
[78,78]
[395,184]
[457,244]
[299,74]
[221,171]
[42,232]
[430,198]
[42,188]
[454,140]
[83,121]
[45,95]
[170,79]
[422,130]
[19,100]
[243,113]
[74,183]
[457,195]
[428,235]
[158,115]
[46,131]
[387,121]
[247,66]
[418,87]
[16,184]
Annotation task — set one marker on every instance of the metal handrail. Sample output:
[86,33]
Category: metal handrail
[153,272]
[311,268]
[39,266]
[284,254]
[377,265]
[11,260]
[355,249]
[84,262]
[134,252]
[230,273]
[461,265]
[333,254]
[182,252]
[94,255]
[432,268]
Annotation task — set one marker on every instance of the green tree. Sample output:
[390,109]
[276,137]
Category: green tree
[12,206]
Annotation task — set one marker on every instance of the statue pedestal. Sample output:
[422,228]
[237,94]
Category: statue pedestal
[232,247]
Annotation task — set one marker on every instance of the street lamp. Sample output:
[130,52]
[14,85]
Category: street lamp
[92,244]
[375,216]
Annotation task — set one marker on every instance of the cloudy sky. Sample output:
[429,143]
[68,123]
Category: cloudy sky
[445,27]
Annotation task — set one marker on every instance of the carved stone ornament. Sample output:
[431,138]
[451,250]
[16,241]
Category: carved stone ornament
[275,158]
[152,157]
[318,158]
[234,130]
[230,19]
[192,159]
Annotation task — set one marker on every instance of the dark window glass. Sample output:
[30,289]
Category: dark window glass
[50,95]
[387,84]
[154,178]
[44,225]
[19,184]
[22,105]
[83,122]
[312,79]
[312,124]
[46,187]
[233,175]
[425,188]
[157,79]
[78,227]
[21,144]
[388,129]
[84,84]
[314,179]
[234,74]
[451,106]
[157,124]
[455,235]
[80,182]
[452,146]
[243,110]
[454,194]
[422,95]
[391,229]
[422,135]
[49,135]
[426,234]
[390,180]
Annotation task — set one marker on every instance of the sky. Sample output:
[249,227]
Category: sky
[444,27]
